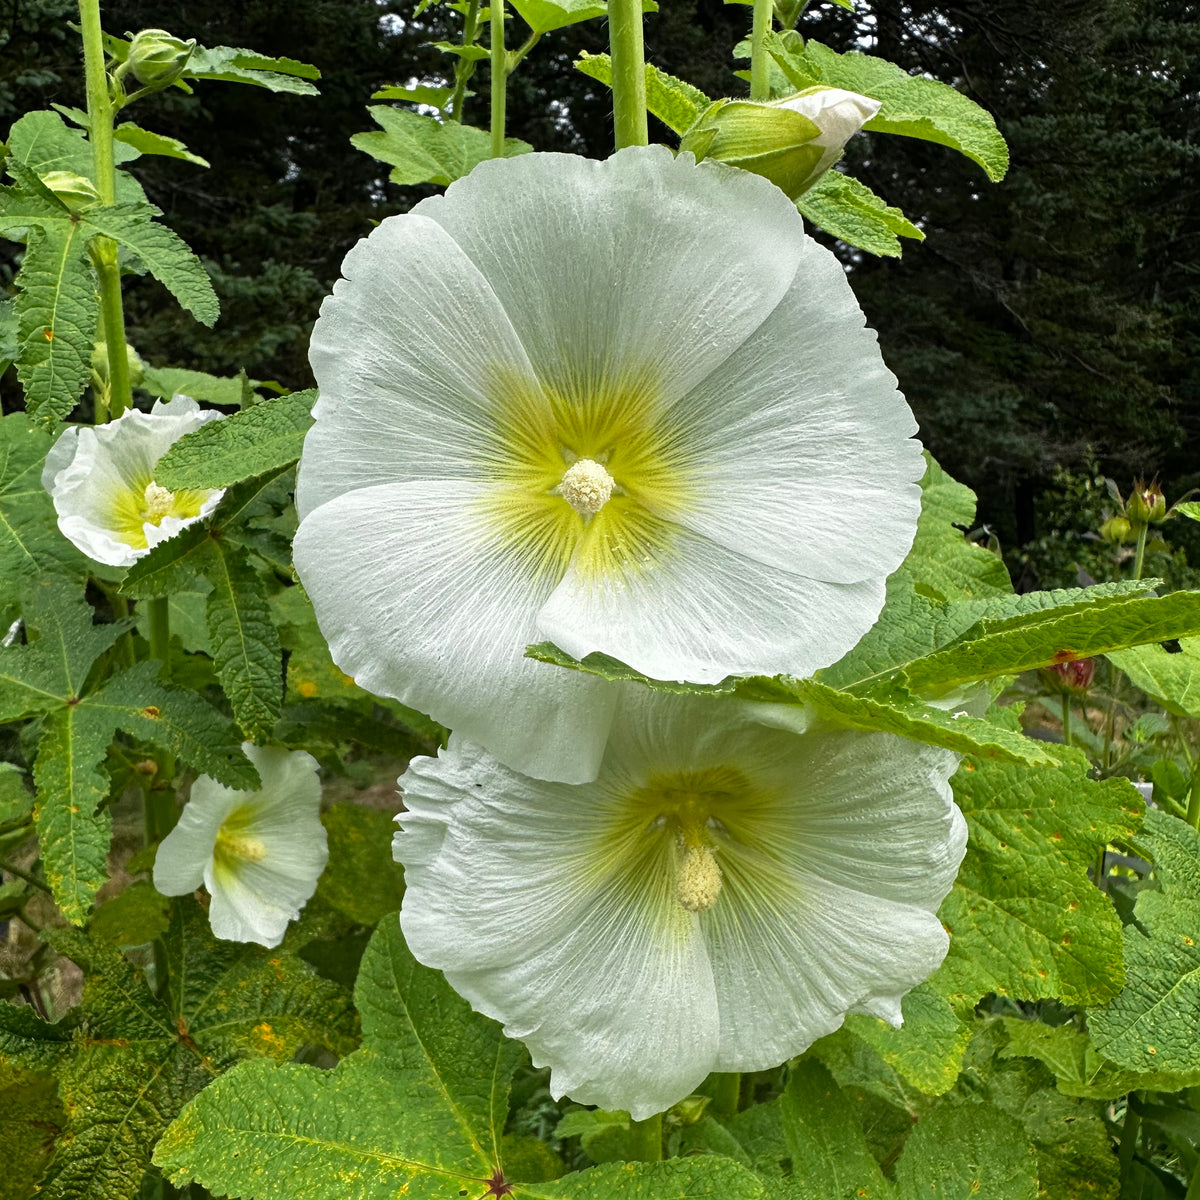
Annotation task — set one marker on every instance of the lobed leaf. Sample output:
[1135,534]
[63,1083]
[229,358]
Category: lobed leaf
[421,149]
[849,211]
[264,437]
[43,142]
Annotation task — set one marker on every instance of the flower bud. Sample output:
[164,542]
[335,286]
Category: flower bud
[137,368]
[1116,530]
[1070,678]
[791,142]
[157,59]
[1147,505]
[77,192]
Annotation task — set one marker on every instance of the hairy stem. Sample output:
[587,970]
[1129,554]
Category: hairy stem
[499,78]
[1139,557]
[1066,719]
[727,1093]
[465,67]
[628,73]
[646,1139]
[104,250]
[760,79]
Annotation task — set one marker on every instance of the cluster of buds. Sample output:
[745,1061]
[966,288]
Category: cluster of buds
[1146,506]
[791,142]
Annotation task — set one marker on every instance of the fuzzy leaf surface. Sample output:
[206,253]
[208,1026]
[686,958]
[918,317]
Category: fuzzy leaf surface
[234,65]
[852,213]
[43,142]
[264,437]
[676,103]
[147,142]
[1151,1025]
[137,1059]
[421,149]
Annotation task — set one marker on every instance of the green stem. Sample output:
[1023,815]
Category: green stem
[760,78]
[1101,865]
[1129,1132]
[525,47]
[159,621]
[30,879]
[465,67]
[727,1093]
[1140,556]
[1193,810]
[499,78]
[645,1142]
[1066,719]
[1193,1192]
[104,250]
[628,73]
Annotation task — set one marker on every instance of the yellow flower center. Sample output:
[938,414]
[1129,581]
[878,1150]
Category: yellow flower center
[236,842]
[157,503]
[135,505]
[586,487]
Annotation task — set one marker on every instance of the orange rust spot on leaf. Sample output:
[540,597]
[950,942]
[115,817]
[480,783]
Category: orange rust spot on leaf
[152,712]
[1064,656]
[968,766]
[48,334]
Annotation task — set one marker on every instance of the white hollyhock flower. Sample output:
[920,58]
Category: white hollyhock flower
[719,897]
[101,479]
[627,406]
[258,853]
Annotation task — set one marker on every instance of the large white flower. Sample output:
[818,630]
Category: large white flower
[101,479]
[628,406]
[260,853]
[719,897]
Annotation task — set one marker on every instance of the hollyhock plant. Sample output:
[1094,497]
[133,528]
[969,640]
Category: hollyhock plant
[101,479]
[258,853]
[628,406]
[720,896]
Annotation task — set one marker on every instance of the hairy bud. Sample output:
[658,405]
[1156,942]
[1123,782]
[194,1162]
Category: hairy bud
[157,59]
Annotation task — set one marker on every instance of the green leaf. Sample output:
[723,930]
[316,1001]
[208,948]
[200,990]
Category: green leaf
[361,879]
[164,252]
[971,1150]
[264,437]
[176,565]
[422,149]
[912,105]
[137,915]
[1038,639]
[426,1101]
[675,103]
[851,212]
[244,640]
[544,15]
[1171,679]
[147,142]
[43,143]
[166,381]
[31,1116]
[1189,508]
[830,1157]
[1078,1068]
[138,1058]
[234,65]
[421,93]
[31,547]
[1151,1025]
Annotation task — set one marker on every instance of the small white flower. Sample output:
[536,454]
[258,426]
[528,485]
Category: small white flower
[258,853]
[626,406]
[719,897]
[101,479]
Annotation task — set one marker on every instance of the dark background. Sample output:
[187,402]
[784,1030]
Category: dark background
[1051,320]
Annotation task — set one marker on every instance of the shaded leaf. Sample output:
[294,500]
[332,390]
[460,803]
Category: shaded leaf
[146,142]
[1173,680]
[362,879]
[234,65]
[673,101]
[850,211]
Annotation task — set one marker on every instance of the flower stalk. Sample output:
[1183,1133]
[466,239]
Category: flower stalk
[726,1093]
[104,250]
[499,62]
[645,1139]
[628,73]
[760,79]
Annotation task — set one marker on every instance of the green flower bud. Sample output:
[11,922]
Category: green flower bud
[137,368]
[77,192]
[157,59]
[1147,505]
[791,142]
[1116,530]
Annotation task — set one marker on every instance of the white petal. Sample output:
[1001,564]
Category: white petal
[838,114]
[702,612]
[242,911]
[603,978]
[800,444]
[187,850]
[419,600]
[642,270]
[414,360]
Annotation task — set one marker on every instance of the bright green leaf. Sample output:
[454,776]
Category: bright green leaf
[1170,678]
[1189,508]
[244,640]
[233,65]
[1151,1026]
[155,143]
[264,437]
[166,381]
[422,149]
[43,143]
[675,103]
[544,15]
[850,211]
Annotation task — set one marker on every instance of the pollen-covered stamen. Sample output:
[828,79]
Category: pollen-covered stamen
[586,486]
[231,844]
[697,877]
[157,502]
